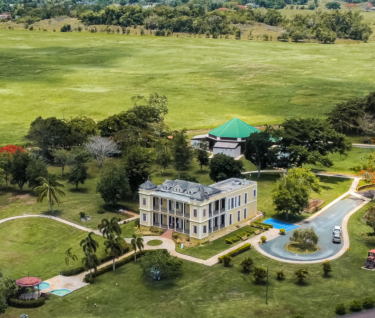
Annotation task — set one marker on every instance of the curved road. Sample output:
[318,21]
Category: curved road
[323,225]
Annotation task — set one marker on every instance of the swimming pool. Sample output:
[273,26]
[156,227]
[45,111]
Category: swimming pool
[61,292]
[44,285]
[280,224]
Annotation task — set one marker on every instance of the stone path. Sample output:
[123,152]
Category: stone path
[168,234]
[321,173]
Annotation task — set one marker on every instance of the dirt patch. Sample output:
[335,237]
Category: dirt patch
[30,202]
[20,197]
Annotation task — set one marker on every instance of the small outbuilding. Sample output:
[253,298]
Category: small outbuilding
[228,138]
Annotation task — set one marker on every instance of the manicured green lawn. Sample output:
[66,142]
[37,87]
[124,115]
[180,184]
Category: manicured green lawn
[342,164]
[154,242]
[208,250]
[217,291]
[36,247]
[128,229]
[207,81]
[332,188]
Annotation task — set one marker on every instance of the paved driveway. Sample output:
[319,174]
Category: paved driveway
[323,225]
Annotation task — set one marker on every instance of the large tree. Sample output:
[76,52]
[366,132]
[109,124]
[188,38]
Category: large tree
[77,174]
[138,161]
[36,169]
[181,151]
[6,166]
[202,154]
[49,133]
[223,167]
[81,128]
[20,162]
[162,155]
[113,184]
[292,191]
[309,141]
[304,237]
[159,264]
[100,148]
[145,112]
[258,150]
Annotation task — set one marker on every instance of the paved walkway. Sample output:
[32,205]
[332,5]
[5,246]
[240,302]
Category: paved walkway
[364,145]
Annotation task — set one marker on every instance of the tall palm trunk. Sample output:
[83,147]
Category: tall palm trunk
[114,264]
[259,169]
[135,254]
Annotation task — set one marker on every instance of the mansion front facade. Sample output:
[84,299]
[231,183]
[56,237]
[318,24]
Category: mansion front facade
[197,210]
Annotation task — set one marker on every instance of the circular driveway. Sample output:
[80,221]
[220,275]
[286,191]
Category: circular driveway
[323,226]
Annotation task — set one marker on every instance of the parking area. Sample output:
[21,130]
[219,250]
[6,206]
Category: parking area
[323,226]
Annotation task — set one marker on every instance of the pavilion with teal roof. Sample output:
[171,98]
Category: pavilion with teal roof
[229,138]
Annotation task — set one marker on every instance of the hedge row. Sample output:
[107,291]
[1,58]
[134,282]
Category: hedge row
[265,225]
[81,269]
[14,302]
[109,267]
[237,251]
[239,236]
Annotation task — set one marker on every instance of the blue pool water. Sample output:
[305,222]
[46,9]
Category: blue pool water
[61,292]
[44,285]
[280,225]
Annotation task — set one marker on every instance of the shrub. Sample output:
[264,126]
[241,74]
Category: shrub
[237,251]
[368,302]
[298,316]
[327,269]
[82,215]
[66,28]
[355,305]
[259,274]
[79,29]
[340,309]
[176,236]
[101,211]
[136,223]
[282,231]
[263,239]
[280,275]
[14,302]
[247,264]
[227,260]
[301,274]
[239,236]
[265,225]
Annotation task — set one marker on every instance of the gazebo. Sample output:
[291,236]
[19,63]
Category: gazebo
[28,281]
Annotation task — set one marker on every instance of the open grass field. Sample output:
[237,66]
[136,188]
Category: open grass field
[37,246]
[207,81]
[218,291]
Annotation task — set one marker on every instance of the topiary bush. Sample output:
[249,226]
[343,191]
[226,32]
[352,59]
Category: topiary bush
[280,275]
[282,231]
[227,260]
[263,239]
[368,302]
[340,309]
[237,251]
[355,305]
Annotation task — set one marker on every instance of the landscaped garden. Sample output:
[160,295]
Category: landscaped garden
[224,291]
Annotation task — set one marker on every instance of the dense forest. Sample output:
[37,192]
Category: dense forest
[199,18]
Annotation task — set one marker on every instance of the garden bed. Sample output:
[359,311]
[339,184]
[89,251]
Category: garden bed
[296,248]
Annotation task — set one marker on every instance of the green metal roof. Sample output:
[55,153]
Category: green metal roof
[234,128]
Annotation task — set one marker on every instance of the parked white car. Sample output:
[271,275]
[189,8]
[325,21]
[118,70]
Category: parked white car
[336,234]
[337,230]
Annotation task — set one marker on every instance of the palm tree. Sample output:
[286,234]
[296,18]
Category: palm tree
[90,261]
[114,247]
[49,188]
[137,242]
[108,228]
[89,245]
[69,255]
